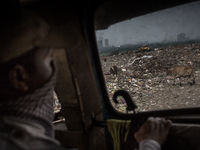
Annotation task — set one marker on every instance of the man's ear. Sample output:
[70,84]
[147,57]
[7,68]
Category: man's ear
[18,78]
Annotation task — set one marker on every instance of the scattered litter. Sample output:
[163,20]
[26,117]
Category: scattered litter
[56,104]
[143,75]
[123,69]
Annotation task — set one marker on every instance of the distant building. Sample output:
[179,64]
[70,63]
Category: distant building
[106,43]
[181,37]
[100,43]
[102,40]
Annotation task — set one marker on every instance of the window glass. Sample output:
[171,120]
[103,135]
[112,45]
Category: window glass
[136,54]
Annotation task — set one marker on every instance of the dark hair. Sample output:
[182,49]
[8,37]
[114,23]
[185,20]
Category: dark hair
[9,6]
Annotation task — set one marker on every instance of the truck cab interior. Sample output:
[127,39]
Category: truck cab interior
[86,97]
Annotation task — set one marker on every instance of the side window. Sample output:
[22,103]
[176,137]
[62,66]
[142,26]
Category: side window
[155,57]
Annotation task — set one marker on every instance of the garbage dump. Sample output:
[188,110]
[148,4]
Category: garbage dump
[56,104]
[143,75]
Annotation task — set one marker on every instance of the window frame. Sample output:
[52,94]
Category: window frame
[178,115]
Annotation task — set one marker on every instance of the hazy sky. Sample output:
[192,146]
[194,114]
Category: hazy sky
[156,27]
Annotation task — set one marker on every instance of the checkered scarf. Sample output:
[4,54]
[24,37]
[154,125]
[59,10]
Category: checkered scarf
[36,107]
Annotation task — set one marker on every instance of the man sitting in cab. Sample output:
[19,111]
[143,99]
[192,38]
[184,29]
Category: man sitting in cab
[28,75]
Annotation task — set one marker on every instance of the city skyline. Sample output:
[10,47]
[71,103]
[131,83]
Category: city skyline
[159,26]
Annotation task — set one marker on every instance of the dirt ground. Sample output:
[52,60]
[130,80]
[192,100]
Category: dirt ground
[143,76]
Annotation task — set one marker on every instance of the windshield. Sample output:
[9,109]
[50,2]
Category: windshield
[154,57]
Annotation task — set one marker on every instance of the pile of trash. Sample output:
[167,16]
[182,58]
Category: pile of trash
[56,104]
[143,76]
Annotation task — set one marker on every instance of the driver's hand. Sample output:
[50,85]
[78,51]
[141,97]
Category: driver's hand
[154,128]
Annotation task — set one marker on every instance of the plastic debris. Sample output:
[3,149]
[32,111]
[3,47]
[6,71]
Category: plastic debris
[143,75]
